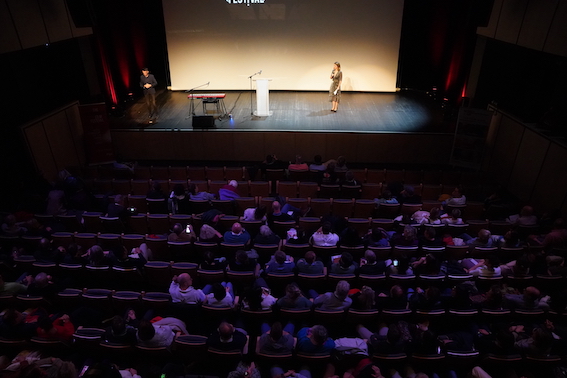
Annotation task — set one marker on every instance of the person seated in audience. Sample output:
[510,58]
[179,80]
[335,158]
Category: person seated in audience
[119,332]
[278,372]
[430,238]
[556,238]
[407,238]
[349,179]
[180,233]
[340,164]
[229,191]
[511,239]
[278,214]
[457,198]
[434,216]
[310,265]
[323,237]
[272,162]
[259,297]
[117,209]
[299,164]
[12,228]
[178,202]
[370,266]
[530,299]
[209,234]
[396,300]
[196,195]
[493,299]
[363,299]
[280,263]
[44,286]
[331,301]
[525,218]
[160,333]
[257,213]
[317,164]
[243,263]
[182,291]
[460,298]
[386,197]
[219,294]
[293,298]
[377,237]
[345,265]
[489,267]
[60,328]
[516,268]
[12,288]
[237,235]
[297,235]
[267,236]
[329,176]
[45,251]
[314,340]
[349,237]
[95,256]
[429,265]
[537,343]
[388,340]
[428,299]
[131,259]
[407,195]
[276,339]
[455,217]
[498,340]
[227,337]
[210,262]
[56,202]
[484,239]
[13,325]
[245,368]
[156,192]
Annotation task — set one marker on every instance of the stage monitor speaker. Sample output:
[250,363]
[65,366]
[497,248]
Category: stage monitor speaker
[203,122]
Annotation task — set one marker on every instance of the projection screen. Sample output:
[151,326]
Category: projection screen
[293,42]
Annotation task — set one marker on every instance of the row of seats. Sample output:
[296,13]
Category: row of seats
[363,175]
[292,189]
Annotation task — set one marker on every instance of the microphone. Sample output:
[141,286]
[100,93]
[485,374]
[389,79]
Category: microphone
[260,72]
[208,83]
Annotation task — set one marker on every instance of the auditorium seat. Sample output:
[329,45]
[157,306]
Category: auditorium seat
[287,189]
[308,189]
[342,207]
[196,173]
[364,208]
[320,207]
[178,173]
[371,190]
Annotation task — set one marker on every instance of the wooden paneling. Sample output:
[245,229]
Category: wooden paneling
[551,186]
[9,41]
[505,149]
[555,42]
[40,150]
[56,20]
[534,29]
[29,22]
[531,155]
[60,141]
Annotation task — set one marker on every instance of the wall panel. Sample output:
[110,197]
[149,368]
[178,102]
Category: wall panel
[56,20]
[551,186]
[506,145]
[511,19]
[9,41]
[29,22]
[555,42]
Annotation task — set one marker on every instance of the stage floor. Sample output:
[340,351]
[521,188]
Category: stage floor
[402,112]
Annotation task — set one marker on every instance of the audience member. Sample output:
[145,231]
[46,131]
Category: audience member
[182,234]
[323,237]
[229,191]
[182,291]
[280,263]
[310,265]
[237,235]
[266,236]
[314,340]
[257,213]
[294,298]
[226,337]
[345,265]
[337,300]
[196,195]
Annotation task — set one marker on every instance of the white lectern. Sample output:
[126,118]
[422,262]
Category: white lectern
[263,98]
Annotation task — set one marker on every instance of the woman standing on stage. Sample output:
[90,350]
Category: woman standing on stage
[335,91]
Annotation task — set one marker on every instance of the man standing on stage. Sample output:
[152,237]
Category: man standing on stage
[148,83]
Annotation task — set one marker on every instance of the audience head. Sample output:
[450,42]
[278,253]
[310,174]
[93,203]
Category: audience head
[207,232]
[342,289]
[265,230]
[292,291]
[457,192]
[236,228]
[178,190]
[276,207]
[117,325]
[531,293]
[276,331]
[219,291]
[193,189]
[241,256]
[349,176]
[280,257]
[226,330]
[326,227]
[367,297]
[527,211]
[96,254]
[184,280]
[370,256]
[310,257]
[396,291]
[233,183]
[346,260]
[456,213]
[178,228]
[146,330]
[434,213]
[318,334]
[260,212]
[483,235]
[429,233]
[317,159]
[410,233]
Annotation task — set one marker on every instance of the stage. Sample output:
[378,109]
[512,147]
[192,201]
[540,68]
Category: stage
[401,112]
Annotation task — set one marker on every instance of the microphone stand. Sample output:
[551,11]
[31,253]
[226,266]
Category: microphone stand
[192,104]
[251,102]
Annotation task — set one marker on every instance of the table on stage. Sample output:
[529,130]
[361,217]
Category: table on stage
[208,98]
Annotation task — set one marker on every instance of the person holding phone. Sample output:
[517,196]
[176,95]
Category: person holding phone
[335,90]
[182,233]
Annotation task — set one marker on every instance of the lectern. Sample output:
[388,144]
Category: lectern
[263,98]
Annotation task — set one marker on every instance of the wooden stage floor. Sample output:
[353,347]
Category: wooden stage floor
[402,112]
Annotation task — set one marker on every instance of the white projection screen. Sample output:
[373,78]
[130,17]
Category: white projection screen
[293,42]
